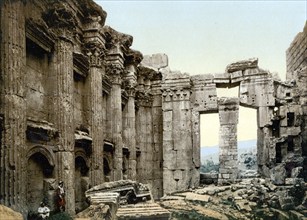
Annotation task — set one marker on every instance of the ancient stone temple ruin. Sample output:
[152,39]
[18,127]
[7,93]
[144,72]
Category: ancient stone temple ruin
[78,104]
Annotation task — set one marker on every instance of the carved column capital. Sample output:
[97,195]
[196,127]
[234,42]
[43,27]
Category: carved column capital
[95,52]
[114,72]
[143,99]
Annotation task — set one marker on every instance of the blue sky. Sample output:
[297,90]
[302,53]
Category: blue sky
[205,36]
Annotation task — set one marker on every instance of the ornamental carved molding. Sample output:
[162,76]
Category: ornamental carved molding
[61,18]
[114,38]
[95,52]
[174,94]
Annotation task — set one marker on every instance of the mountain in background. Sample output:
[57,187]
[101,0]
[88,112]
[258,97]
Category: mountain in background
[212,152]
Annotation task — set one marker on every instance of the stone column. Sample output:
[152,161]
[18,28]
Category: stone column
[129,130]
[157,122]
[228,156]
[144,137]
[61,22]
[64,118]
[115,72]
[94,49]
[13,105]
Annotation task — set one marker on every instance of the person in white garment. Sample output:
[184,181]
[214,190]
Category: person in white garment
[43,211]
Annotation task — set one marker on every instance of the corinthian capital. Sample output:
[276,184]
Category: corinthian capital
[95,52]
[114,72]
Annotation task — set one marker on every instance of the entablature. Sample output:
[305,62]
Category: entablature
[38,33]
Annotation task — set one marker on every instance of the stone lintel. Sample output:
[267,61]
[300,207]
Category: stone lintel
[227,101]
[242,65]
[222,79]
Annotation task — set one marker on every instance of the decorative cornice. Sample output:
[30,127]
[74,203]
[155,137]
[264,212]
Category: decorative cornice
[115,38]
[61,18]
[37,31]
[133,57]
[149,73]
[92,11]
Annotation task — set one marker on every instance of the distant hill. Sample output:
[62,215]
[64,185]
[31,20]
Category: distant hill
[212,152]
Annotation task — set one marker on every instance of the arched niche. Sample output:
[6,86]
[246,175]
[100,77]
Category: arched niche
[40,167]
[81,180]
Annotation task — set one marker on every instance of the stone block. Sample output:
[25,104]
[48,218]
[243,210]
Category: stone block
[278,175]
[155,61]
[242,65]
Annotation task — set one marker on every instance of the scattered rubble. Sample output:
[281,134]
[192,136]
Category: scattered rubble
[254,198]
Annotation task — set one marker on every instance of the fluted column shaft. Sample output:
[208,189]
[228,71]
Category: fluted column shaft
[64,118]
[95,117]
[129,134]
[116,108]
[13,105]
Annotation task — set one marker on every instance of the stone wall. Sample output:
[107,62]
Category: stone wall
[297,74]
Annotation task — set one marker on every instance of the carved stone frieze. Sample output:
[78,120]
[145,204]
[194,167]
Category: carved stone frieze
[176,95]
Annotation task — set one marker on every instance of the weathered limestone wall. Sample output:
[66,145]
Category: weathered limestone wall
[297,53]
[149,122]
[228,154]
[297,70]
[36,90]
[177,133]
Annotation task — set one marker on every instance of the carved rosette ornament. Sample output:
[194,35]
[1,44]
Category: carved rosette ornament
[114,73]
[95,52]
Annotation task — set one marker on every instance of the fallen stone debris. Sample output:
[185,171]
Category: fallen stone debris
[254,198]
